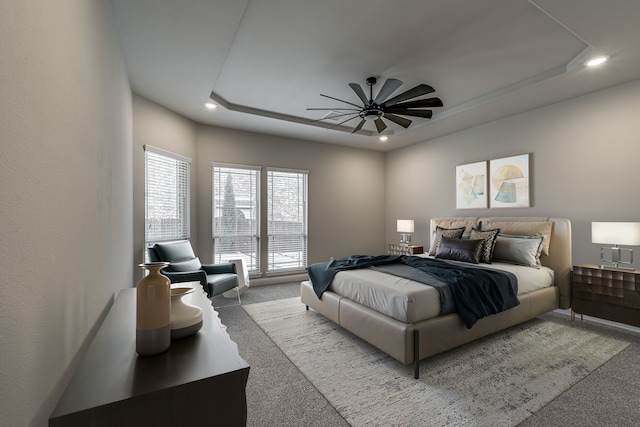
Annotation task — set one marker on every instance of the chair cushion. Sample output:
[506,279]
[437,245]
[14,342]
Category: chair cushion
[188,265]
[175,252]
[222,282]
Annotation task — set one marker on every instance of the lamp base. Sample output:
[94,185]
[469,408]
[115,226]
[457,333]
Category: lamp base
[617,267]
[616,258]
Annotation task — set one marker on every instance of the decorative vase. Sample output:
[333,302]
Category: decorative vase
[153,311]
[186,319]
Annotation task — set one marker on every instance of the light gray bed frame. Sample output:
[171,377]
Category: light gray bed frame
[412,342]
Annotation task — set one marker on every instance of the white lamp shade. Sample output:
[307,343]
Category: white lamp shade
[405,226]
[616,233]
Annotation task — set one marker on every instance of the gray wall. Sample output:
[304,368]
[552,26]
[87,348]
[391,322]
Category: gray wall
[161,128]
[65,169]
[584,166]
[346,185]
[346,188]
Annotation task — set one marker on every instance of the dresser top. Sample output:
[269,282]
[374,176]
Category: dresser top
[112,371]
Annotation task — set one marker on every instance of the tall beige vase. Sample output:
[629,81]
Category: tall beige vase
[153,311]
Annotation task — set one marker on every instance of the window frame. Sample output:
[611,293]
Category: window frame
[254,264]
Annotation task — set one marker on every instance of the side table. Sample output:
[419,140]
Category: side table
[606,293]
[243,279]
[404,249]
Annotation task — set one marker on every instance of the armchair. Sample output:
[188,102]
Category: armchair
[184,266]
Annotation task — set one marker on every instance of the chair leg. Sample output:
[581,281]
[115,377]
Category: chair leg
[238,291]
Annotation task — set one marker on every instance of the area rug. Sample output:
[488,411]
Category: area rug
[496,381]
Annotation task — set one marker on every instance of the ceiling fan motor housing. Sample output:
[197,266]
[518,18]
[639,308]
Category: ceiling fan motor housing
[371,112]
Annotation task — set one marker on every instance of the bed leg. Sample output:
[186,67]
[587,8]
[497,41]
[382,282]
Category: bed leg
[416,354]
[307,308]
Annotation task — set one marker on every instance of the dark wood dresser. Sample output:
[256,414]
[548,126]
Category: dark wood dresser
[606,293]
[199,381]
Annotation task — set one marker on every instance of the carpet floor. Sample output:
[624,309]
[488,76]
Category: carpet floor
[497,381]
[278,393]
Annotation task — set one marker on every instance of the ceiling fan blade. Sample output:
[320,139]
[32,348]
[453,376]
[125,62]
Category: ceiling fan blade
[335,116]
[420,103]
[344,121]
[419,90]
[334,109]
[380,125]
[390,86]
[415,113]
[358,90]
[336,99]
[357,128]
[397,120]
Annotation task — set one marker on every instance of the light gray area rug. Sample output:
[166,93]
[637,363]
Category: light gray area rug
[497,381]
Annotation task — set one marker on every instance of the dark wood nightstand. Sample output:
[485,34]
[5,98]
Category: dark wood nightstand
[606,293]
[404,249]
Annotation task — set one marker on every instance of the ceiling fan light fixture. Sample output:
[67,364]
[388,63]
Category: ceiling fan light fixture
[595,61]
[371,113]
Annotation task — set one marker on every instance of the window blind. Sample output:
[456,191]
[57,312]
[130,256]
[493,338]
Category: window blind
[236,214]
[167,198]
[286,219]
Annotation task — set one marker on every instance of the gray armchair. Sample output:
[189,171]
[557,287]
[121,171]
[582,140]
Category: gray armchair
[184,266]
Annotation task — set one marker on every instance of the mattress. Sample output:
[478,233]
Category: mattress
[409,301]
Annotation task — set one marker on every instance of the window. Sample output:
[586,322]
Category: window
[286,219]
[236,214]
[166,196]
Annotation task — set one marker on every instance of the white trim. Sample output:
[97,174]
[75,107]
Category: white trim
[302,171]
[166,153]
[235,166]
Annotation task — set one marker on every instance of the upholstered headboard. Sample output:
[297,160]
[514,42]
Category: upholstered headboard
[559,258]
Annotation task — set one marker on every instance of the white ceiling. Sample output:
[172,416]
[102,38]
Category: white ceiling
[267,61]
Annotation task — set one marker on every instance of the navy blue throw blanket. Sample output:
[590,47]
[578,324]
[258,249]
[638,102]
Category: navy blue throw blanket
[477,292]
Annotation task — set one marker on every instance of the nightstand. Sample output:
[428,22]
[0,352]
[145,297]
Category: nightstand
[404,249]
[606,293]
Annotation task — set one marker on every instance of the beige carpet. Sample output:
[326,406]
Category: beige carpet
[497,381]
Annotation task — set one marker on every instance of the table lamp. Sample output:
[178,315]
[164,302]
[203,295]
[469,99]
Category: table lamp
[616,233]
[405,226]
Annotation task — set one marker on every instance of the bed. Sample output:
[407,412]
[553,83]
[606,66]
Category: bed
[401,316]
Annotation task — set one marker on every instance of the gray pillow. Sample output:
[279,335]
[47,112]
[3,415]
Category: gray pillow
[521,250]
[451,233]
[465,250]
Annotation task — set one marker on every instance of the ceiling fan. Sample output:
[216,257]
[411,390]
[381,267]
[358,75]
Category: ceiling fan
[381,107]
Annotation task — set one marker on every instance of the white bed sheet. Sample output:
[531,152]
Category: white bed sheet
[409,301]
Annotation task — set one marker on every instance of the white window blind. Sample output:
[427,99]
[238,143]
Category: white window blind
[286,219]
[236,214]
[166,196]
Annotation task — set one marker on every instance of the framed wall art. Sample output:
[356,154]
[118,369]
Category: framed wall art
[509,182]
[471,186]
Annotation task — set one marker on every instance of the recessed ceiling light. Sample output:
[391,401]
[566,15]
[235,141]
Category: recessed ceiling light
[210,105]
[597,60]
[383,138]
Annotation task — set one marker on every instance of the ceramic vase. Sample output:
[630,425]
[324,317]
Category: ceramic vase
[186,319]
[153,311]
